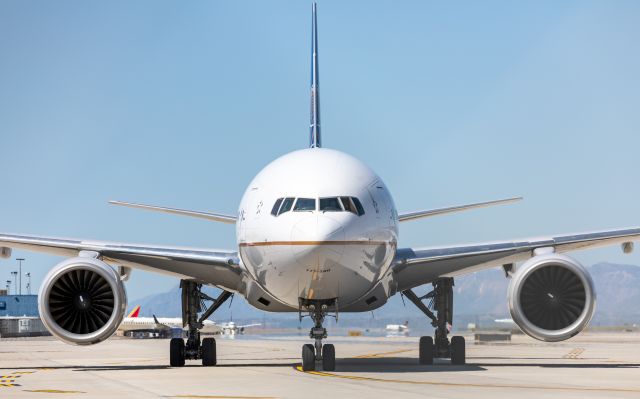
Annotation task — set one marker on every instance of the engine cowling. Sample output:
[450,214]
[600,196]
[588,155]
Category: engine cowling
[82,301]
[551,297]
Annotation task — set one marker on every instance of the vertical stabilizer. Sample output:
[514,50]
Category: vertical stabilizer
[135,312]
[314,138]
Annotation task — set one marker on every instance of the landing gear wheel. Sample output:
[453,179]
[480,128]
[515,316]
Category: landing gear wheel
[328,357]
[176,352]
[426,350]
[457,350]
[308,358]
[209,352]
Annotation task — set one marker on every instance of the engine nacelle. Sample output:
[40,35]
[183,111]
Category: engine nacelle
[82,301]
[551,297]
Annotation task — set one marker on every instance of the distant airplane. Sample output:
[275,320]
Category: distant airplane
[135,312]
[317,234]
[398,328]
[231,328]
[149,324]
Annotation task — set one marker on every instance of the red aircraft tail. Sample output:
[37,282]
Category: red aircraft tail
[135,312]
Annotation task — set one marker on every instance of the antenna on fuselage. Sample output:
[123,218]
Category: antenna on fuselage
[314,137]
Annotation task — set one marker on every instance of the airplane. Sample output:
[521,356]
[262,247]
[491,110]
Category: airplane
[231,328]
[398,328]
[317,234]
[133,322]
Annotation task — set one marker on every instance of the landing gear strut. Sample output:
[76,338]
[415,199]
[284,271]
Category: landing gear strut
[193,302]
[440,301]
[318,352]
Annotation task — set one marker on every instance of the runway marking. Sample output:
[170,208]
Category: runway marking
[383,354]
[50,391]
[461,385]
[8,381]
[130,361]
[574,354]
[221,397]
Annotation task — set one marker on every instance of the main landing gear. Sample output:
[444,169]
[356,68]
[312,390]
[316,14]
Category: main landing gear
[440,301]
[193,303]
[326,354]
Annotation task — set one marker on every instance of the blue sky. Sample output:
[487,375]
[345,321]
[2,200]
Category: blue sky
[181,104]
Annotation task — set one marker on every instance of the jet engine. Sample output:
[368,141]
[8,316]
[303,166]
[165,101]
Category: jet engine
[82,301]
[551,297]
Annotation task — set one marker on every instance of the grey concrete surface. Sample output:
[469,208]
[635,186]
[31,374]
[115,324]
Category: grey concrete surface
[592,365]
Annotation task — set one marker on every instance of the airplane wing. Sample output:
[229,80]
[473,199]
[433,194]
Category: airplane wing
[415,267]
[159,325]
[250,325]
[216,217]
[209,266]
[403,217]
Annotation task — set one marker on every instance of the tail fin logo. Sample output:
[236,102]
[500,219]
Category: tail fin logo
[135,312]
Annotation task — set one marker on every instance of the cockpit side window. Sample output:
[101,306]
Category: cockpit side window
[286,205]
[330,204]
[305,204]
[276,206]
[348,205]
[358,205]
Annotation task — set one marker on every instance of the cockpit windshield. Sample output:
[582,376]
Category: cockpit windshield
[327,204]
[330,205]
[305,204]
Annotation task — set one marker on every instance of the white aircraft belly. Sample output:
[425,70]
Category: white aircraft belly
[346,270]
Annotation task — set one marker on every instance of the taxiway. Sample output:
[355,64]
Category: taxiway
[592,365]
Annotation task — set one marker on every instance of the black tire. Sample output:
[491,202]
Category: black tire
[328,357]
[308,358]
[426,350]
[176,352]
[209,352]
[458,355]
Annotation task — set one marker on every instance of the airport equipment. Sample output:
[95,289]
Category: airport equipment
[14,274]
[317,234]
[24,326]
[483,337]
[28,275]
[20,260]
[18,305]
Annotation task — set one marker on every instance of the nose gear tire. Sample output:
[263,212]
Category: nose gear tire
[328,357]
[308,358]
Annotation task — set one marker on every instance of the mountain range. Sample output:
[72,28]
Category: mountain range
[479,296]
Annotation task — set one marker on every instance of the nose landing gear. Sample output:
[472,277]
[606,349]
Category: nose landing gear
[441,301]
[318,353]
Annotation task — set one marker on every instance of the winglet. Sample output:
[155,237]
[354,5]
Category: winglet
[314,137]
[135,312]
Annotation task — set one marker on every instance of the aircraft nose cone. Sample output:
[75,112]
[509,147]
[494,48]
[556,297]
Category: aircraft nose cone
[316,239]
[317,229]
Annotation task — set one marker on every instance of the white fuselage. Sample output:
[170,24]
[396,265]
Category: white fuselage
[149,323]
[317,252]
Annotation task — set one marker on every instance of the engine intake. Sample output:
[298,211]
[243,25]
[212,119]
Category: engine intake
[551,297]
[82,301]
